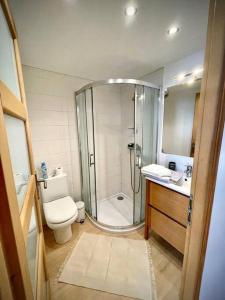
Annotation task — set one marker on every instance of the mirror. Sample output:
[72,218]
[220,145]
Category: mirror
[179,121]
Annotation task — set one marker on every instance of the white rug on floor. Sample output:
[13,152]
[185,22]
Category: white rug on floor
[115,265]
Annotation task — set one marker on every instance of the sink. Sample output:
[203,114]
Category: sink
[187,185]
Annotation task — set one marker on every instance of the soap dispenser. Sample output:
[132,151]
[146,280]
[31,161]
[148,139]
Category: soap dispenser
[44,170]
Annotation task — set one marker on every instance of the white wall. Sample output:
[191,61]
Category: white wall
[212,286]
[184,65]
[51,108]
[154,77]
[165,77]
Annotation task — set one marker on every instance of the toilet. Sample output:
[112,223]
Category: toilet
[59,208]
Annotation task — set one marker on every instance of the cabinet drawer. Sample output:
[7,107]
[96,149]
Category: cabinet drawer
[169,202]
[168,229]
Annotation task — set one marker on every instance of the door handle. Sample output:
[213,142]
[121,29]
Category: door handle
[91,159]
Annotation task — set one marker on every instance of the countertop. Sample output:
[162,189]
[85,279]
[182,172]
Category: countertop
[184,189]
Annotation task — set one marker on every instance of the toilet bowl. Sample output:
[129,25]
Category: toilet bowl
[59,208]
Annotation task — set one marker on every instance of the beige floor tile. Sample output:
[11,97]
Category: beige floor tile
[167,263]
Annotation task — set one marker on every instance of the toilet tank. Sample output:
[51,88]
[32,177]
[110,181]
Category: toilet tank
[57,187]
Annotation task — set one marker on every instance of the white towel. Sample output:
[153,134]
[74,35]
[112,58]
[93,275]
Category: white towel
[177,177]
[156,171]
[163,174]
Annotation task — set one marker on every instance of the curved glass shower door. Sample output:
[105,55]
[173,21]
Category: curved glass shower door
[145,142]
[117,127]
[84,103]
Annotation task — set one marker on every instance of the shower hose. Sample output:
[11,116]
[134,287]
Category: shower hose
[131,176]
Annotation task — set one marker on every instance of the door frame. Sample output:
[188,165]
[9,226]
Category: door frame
[208,143]
[14,224]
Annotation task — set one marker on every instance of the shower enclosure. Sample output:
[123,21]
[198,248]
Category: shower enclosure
[117,128]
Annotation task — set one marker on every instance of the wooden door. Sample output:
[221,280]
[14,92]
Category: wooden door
[207,150]
[22,252]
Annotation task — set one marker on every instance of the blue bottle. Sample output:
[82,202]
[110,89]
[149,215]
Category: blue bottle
[44,170]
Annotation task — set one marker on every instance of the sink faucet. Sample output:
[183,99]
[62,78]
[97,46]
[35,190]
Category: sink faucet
[188,171]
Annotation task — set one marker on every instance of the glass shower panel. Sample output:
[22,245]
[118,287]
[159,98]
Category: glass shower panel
[150,125]
[8,70]
[146,127]
[149,134]
[83,145]
[91,149]
[138,126]
[84,104]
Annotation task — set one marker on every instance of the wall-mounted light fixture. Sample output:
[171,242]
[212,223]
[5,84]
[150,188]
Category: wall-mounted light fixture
[190,77]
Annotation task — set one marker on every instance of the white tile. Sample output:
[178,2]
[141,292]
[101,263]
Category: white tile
[73,132]
[71,103]
[49,132]
[46,102]
[39,117]
[72,118]
[74,145]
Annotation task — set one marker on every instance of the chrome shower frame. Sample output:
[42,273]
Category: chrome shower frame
[91,85]
[116,81]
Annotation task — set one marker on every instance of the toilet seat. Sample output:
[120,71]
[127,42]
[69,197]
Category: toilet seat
[59,226]
[60,212]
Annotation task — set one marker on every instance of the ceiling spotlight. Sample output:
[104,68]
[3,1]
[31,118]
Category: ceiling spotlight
[198,71]
[130,11]
[181,76]
[172,30]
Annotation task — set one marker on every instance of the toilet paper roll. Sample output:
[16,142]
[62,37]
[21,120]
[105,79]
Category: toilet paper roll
[59,170]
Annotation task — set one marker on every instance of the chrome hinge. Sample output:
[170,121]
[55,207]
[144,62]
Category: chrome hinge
[190,209]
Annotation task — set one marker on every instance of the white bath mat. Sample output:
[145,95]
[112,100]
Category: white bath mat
[115,265]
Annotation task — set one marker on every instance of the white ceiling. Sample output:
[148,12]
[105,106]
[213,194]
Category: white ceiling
[94,39]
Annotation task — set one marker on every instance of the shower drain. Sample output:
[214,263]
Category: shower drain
[120,198]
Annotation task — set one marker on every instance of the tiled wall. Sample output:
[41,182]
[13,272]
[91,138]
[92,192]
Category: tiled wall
[51,108]
[127,107]
[114,118]
[108,137]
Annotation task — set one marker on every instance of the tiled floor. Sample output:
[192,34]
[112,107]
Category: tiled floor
[116,212]
[167,265]
[110,264]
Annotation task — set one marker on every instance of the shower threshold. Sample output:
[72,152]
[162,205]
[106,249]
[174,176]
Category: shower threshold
[115,229]
[115,214]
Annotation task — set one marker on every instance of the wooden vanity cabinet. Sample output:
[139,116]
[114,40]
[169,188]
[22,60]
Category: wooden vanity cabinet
[166,214]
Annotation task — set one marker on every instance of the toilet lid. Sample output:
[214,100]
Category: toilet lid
[60,210]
